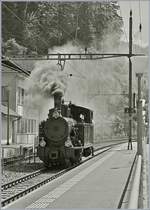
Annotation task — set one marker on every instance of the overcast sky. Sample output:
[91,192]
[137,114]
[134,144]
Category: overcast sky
[126,5]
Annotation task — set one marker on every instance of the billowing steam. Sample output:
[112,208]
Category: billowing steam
[98,85]
[46,79]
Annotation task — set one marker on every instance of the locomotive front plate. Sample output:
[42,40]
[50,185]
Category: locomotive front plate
[56,129]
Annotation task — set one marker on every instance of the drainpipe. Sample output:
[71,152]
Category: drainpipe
[8,117]
[18,118]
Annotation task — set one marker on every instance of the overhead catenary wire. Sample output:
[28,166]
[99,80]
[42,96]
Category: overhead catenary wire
[130,4]
[140,11]
[46,44]
[79,73]
[43,40]
[140,24]
[69,34]
[12,12]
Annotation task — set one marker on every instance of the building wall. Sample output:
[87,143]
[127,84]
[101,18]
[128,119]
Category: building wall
[4,130]
[9,79]
[16,83]
[27,130]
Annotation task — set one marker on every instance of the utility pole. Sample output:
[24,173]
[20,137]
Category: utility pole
[139,116]
[62,57]
[130,82]
[8,117]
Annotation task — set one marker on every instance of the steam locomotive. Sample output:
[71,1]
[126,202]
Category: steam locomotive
[66,135]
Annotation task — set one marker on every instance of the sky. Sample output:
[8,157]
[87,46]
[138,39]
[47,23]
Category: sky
[125,6]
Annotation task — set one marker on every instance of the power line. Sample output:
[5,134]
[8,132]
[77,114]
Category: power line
[130,4]
[69,34]
[140,11]
[11,11]
[79,73]
[38,24]
[140,25]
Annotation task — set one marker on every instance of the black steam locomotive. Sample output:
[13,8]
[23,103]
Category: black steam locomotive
[66,135]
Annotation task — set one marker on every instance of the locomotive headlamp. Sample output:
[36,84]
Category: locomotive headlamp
[42,143]
[68,143]
[56,114]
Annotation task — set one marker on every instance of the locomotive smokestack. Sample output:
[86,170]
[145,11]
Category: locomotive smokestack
[57,100]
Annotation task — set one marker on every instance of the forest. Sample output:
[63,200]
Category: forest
[35,28]
[38,26]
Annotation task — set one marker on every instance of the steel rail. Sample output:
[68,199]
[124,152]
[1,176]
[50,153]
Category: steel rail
[10,160]
[18,195]
[38,172]
[29,177]
[21,179]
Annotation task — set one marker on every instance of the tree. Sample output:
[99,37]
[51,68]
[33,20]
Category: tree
[43,25]
[11,47]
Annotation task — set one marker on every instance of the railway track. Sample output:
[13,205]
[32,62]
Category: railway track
[24,185]
[18,188]
[18,159]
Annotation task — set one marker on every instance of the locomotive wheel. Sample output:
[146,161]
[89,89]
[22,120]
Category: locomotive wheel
[80,159]
[67,163]
[47,165]
[72,161]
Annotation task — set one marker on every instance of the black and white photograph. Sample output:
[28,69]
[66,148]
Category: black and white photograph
[74,104]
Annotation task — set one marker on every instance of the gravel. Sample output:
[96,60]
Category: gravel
[19,169]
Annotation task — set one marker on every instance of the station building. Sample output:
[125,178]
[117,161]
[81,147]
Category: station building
[22,126]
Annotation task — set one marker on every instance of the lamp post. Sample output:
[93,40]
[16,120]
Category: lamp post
[130,82]
[139,116]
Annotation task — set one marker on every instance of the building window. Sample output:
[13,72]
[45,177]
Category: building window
[4,94]
[26,126]
[20,97]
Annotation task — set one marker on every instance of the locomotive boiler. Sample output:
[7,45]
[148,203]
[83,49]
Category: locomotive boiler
[66,135]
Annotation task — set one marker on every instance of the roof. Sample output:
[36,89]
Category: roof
[11,112]
[26,64]
[12,65]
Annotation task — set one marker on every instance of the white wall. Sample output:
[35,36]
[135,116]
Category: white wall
[4,130]
[14,80]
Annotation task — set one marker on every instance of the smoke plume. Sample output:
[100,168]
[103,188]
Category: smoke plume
[98,85]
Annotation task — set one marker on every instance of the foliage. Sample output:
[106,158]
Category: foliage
[11,47]
[43,25]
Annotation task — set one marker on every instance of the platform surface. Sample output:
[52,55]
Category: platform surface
[98,183]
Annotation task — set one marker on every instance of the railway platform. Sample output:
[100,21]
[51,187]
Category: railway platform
[98,183]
